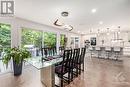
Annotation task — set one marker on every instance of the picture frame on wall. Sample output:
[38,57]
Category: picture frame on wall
[93,41]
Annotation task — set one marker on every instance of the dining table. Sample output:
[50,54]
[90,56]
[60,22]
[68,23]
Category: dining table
[46,67]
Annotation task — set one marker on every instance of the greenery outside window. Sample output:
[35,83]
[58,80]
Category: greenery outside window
[62,40]
[49,39]
[5,37]
[32,39]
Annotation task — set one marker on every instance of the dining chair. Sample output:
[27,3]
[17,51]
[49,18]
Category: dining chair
[48,51]
[64,68]
[80,63]
[74,66]
[83,51]
[44,52]
[61,50]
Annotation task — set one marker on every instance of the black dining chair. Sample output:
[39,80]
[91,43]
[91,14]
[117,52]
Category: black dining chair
[83,51]
[61,50]
[48,51]
[75,58]
[80,63]
[64,68]
[44,51]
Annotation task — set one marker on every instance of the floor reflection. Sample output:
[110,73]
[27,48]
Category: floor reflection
[98,73]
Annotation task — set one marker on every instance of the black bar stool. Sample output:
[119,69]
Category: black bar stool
[117,51]
[98,49]
[108,51]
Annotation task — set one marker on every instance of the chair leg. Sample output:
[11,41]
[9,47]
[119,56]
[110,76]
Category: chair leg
[98,54]
[80,69]
[69,77]
[72,75]
[77,70]
[61,84]
[83,67]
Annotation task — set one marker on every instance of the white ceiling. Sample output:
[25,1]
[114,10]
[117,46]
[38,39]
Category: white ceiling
[112,13]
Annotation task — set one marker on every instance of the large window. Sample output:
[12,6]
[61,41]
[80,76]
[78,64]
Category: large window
[5,43]
[5,37]
[31,37]
[32,40]
[49,39]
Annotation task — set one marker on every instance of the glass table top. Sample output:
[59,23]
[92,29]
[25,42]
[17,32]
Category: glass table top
[39,63]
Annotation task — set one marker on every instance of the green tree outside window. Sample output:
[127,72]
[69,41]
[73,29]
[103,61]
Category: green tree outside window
[5,36]
[62,40]
[31,37]
[49,39]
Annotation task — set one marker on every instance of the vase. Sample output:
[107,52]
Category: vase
[17,68]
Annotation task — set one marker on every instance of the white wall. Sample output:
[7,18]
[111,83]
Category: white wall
[108,39]
[18,23]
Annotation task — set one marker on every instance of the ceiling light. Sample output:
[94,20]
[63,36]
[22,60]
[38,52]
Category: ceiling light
[101,22]
[78,31]
[119,32]
[82,33]
[108,33]
[119,29]
[64,13]
[98,33]
[65,26]
[93,10]
[68,27]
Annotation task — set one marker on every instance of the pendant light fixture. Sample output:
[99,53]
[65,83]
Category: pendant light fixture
[65,26]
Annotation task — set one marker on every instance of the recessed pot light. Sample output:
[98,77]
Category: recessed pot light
[94,10]
[101,22]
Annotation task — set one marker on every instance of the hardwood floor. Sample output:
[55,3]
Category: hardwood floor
[98,73]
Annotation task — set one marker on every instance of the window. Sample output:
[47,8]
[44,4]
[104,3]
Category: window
[62,40]
[74,42]
[5,43]
[5,37]
[32,40]
[49,39]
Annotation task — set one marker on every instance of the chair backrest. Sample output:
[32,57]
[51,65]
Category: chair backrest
[98,48]
[107,48]
[117,48]
[76,54]
[48,51]
[91,48]
[54,51]
[62,48]
[67,56]
[82,55]
[44,52]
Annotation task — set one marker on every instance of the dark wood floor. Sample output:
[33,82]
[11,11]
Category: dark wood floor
[98,73]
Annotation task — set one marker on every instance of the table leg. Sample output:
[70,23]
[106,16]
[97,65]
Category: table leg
[48,76]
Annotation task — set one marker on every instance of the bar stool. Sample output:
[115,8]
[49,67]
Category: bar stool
[117,51]
[108,51]
[98,49]
[91,51]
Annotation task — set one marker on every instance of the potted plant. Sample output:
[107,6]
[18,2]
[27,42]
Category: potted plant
[17,55]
